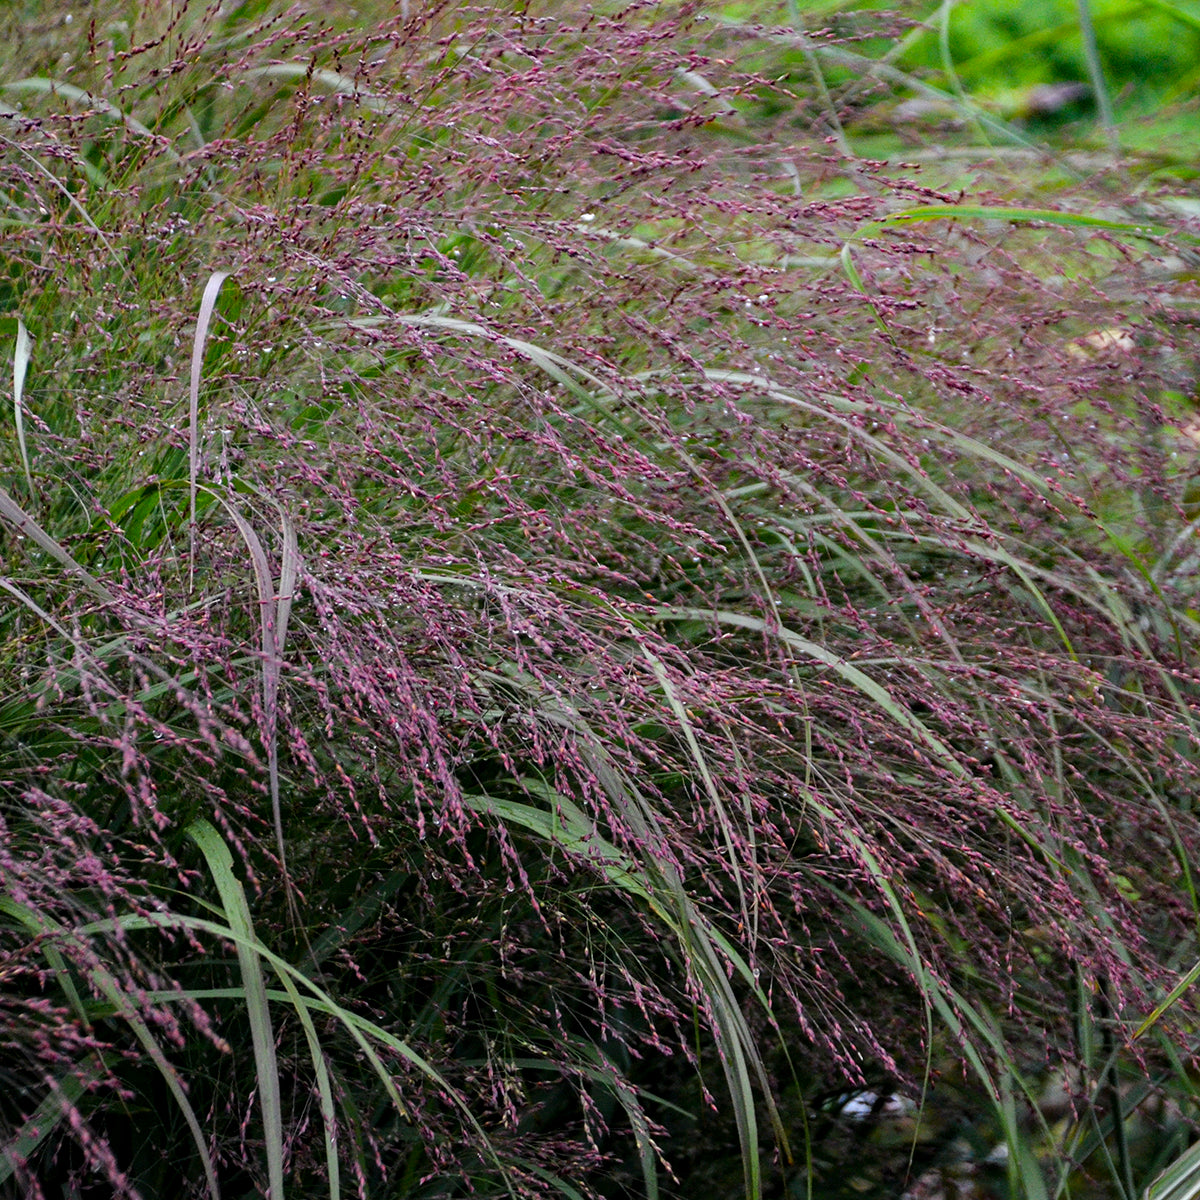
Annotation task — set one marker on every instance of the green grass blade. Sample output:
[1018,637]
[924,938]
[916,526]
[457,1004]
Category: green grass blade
[21,357]
[1018,216]
[42,1122]
[813,62]
[951,74]
[948,505]
[361,1029]
[716,801]
[290,996]
[233,897]
[1026,1178]
[1175,12]
[856,280]
[44,85]
[273,608]
[237,913]
[62,975]
[701,947]
[1180,1181]
[567,374]
[329,1123]
[60,187]
[207,303]
[349,922]
[289,570]
[24,524]
[1091,51]
[106,983]
[1172,998]
[859,679]
[870,68]
[555,1181]
[340,85]
[869,687]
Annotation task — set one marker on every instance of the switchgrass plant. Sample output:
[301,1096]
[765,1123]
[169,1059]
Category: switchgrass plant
[552,617]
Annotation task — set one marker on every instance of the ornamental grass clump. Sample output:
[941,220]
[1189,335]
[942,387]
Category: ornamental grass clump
[551,616]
